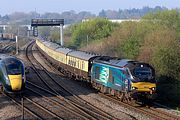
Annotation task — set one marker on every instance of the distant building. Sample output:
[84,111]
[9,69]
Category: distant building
[116,20]
[123,20]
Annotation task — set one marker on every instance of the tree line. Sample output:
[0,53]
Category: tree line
[73,17]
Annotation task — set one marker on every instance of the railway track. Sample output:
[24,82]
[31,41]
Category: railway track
[6,48]
[57,102]
[61,106]
[148,111]
[86,108]
[31,114]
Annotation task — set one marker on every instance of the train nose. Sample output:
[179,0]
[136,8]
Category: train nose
[16,82]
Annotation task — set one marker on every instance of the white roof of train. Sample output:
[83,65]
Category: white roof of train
[70,52]
[63,50]
[81,55]
[51,45]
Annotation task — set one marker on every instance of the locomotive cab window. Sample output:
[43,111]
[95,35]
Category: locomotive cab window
[143,74]
[13,67]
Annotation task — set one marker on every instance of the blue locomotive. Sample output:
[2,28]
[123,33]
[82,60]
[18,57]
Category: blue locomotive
[124,78]
[12,74]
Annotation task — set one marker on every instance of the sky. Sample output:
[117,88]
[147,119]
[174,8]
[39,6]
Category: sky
[93,6]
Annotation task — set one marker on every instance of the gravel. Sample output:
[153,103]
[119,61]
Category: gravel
[8,110]
[167,109]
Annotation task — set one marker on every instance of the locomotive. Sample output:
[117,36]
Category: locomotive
[122,78]
[12,74]
[7,36]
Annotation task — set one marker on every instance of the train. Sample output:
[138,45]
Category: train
[12,74]
[7,36]
[123,78]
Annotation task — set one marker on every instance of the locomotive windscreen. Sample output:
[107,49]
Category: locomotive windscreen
[143,73]
[13,66]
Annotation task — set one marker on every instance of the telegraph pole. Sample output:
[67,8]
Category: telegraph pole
[61,34]
[17,45]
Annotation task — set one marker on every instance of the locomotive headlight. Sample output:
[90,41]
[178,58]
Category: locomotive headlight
[153,88]
[7,80]
[133,88]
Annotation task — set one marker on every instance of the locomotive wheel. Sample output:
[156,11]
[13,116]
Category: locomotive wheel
[101,88]
[112,92]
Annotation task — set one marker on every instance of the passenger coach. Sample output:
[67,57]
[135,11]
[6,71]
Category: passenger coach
[74,63]
[80,64]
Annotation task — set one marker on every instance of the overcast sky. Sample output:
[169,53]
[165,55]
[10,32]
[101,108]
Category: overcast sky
[94,6]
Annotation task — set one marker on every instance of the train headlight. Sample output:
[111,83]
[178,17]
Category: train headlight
[134,88]
[153,88]
[7,81]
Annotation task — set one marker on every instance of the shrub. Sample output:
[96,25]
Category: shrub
[95,29]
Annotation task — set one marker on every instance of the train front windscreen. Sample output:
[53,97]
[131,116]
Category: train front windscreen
[144,74]
[14,66]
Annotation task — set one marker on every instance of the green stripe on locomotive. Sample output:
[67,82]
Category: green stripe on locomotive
[109,76]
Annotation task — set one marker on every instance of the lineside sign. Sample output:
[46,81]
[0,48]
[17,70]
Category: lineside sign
[47,22]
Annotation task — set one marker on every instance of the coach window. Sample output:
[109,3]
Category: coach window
[70,61]
[78,63]
[74,62]
[82,65]
[97,72]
